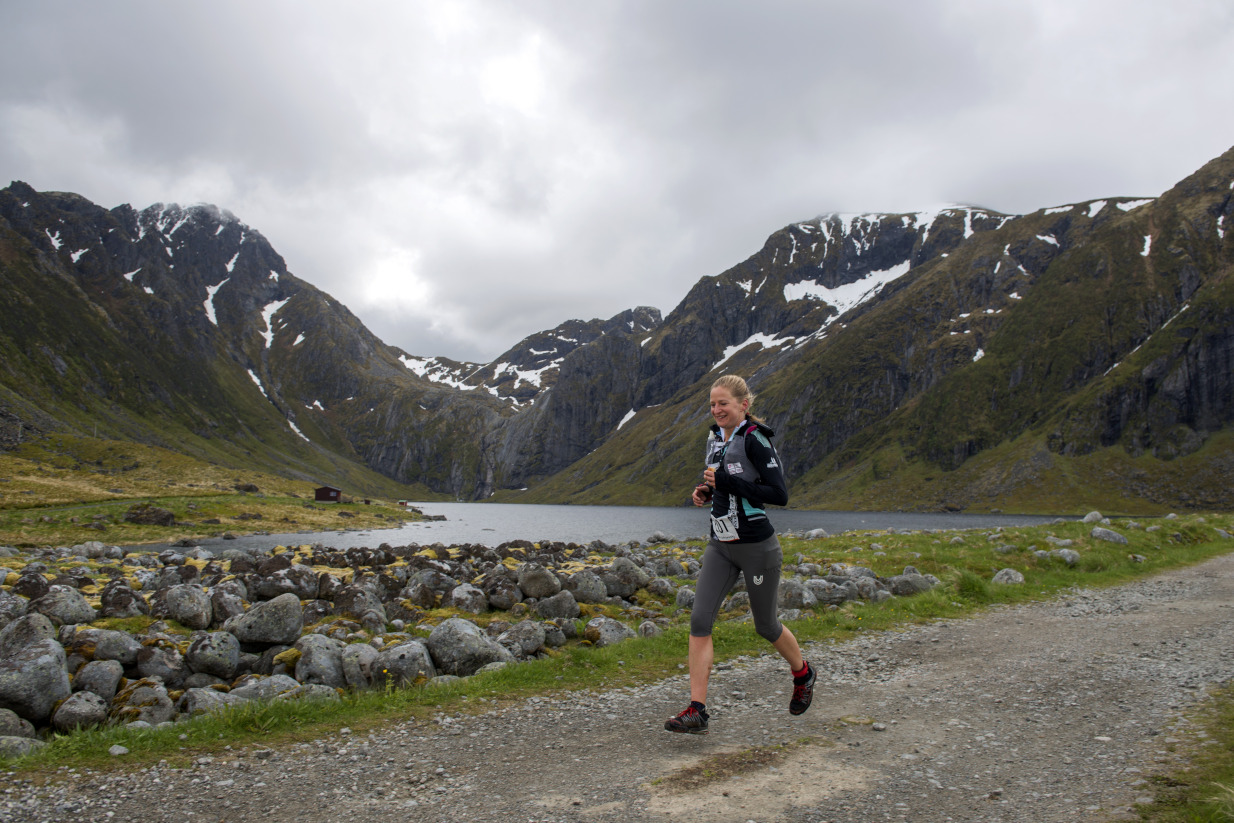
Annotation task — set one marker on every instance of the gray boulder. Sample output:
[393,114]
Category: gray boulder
[164,662]
[101,677]
[25,631]
[120,600]
[586,587]
[357,601]
[19,746]
[298,579]
[536,581]
[321,661]
[662,587]
[685,598]
[64,606]
[795,595]
[145,700]
[1108,535]
[13,726]
[403,665]
[358,660]
[12,606]
[225,605]
[649,629]
[310,691]
[523,639]
[829,593]
[189,605]
[81,710]
[459,647]
[216,653]
[1009,577]
[623,578]
[605,631]
[206,701]
[906,585]
[32,679]
[121,647]
[1068,556]
[1093,517]
[265,688]
[560,605]
[274,622]
[467,598]
[501,592]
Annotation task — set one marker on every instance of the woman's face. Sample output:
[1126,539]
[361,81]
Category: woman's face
[726,409]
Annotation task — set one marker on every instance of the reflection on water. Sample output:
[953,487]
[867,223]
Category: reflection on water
[491,524]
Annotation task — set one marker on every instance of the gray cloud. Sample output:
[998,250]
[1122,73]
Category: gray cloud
[464,173]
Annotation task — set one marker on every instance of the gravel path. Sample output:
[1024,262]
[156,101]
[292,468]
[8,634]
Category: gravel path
[1047,712]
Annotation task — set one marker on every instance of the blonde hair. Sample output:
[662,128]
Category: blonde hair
[739,389]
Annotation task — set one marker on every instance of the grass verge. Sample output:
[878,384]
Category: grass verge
[1203,791]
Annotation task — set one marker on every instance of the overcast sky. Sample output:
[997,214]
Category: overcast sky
[462,174]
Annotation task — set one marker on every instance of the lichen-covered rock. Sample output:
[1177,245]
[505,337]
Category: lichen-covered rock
[188,605]
[684,598]
[1010,577]
[33,678]
[81,710]
[310,691]
[12,725]
[146,700]
[119,599]
[206,701]
[586,586]
[101,677]
[458,647]
[216,653]
[605,631]
[265,688]
[12,746]
[906,585]
[560,605]
[321,661]
[623,578]
[12,606]
[25,631]
[296,579]
[467,598]
[116,645]
[403,665]
[794,595]
[1108,535]
[356,601]
[536,581]
[523,639]
[358,660]
[274,622]
[164,662]
[64,606]
[502,593]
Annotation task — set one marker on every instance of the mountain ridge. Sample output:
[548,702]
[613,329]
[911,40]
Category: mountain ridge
[888,349]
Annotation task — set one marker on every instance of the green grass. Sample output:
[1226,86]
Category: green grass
[1203,792]
[965,569]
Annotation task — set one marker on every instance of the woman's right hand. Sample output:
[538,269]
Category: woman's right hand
[701,495]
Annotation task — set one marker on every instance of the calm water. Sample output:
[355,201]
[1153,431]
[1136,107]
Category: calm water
[490,524]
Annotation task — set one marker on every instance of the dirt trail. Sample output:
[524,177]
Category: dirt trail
[1045,712]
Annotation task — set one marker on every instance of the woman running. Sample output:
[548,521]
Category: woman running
[743,475]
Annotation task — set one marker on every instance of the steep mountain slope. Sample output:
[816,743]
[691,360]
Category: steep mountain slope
[183,328]
[1078,350]
[953,358]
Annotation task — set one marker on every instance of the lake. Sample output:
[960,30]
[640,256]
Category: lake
[491,524]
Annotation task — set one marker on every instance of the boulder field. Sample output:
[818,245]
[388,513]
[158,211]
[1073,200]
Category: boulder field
[95,634]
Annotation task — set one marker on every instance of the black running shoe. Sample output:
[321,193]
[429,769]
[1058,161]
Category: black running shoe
[803,693]
[690,721]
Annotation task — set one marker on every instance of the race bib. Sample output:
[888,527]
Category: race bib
[724,528]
